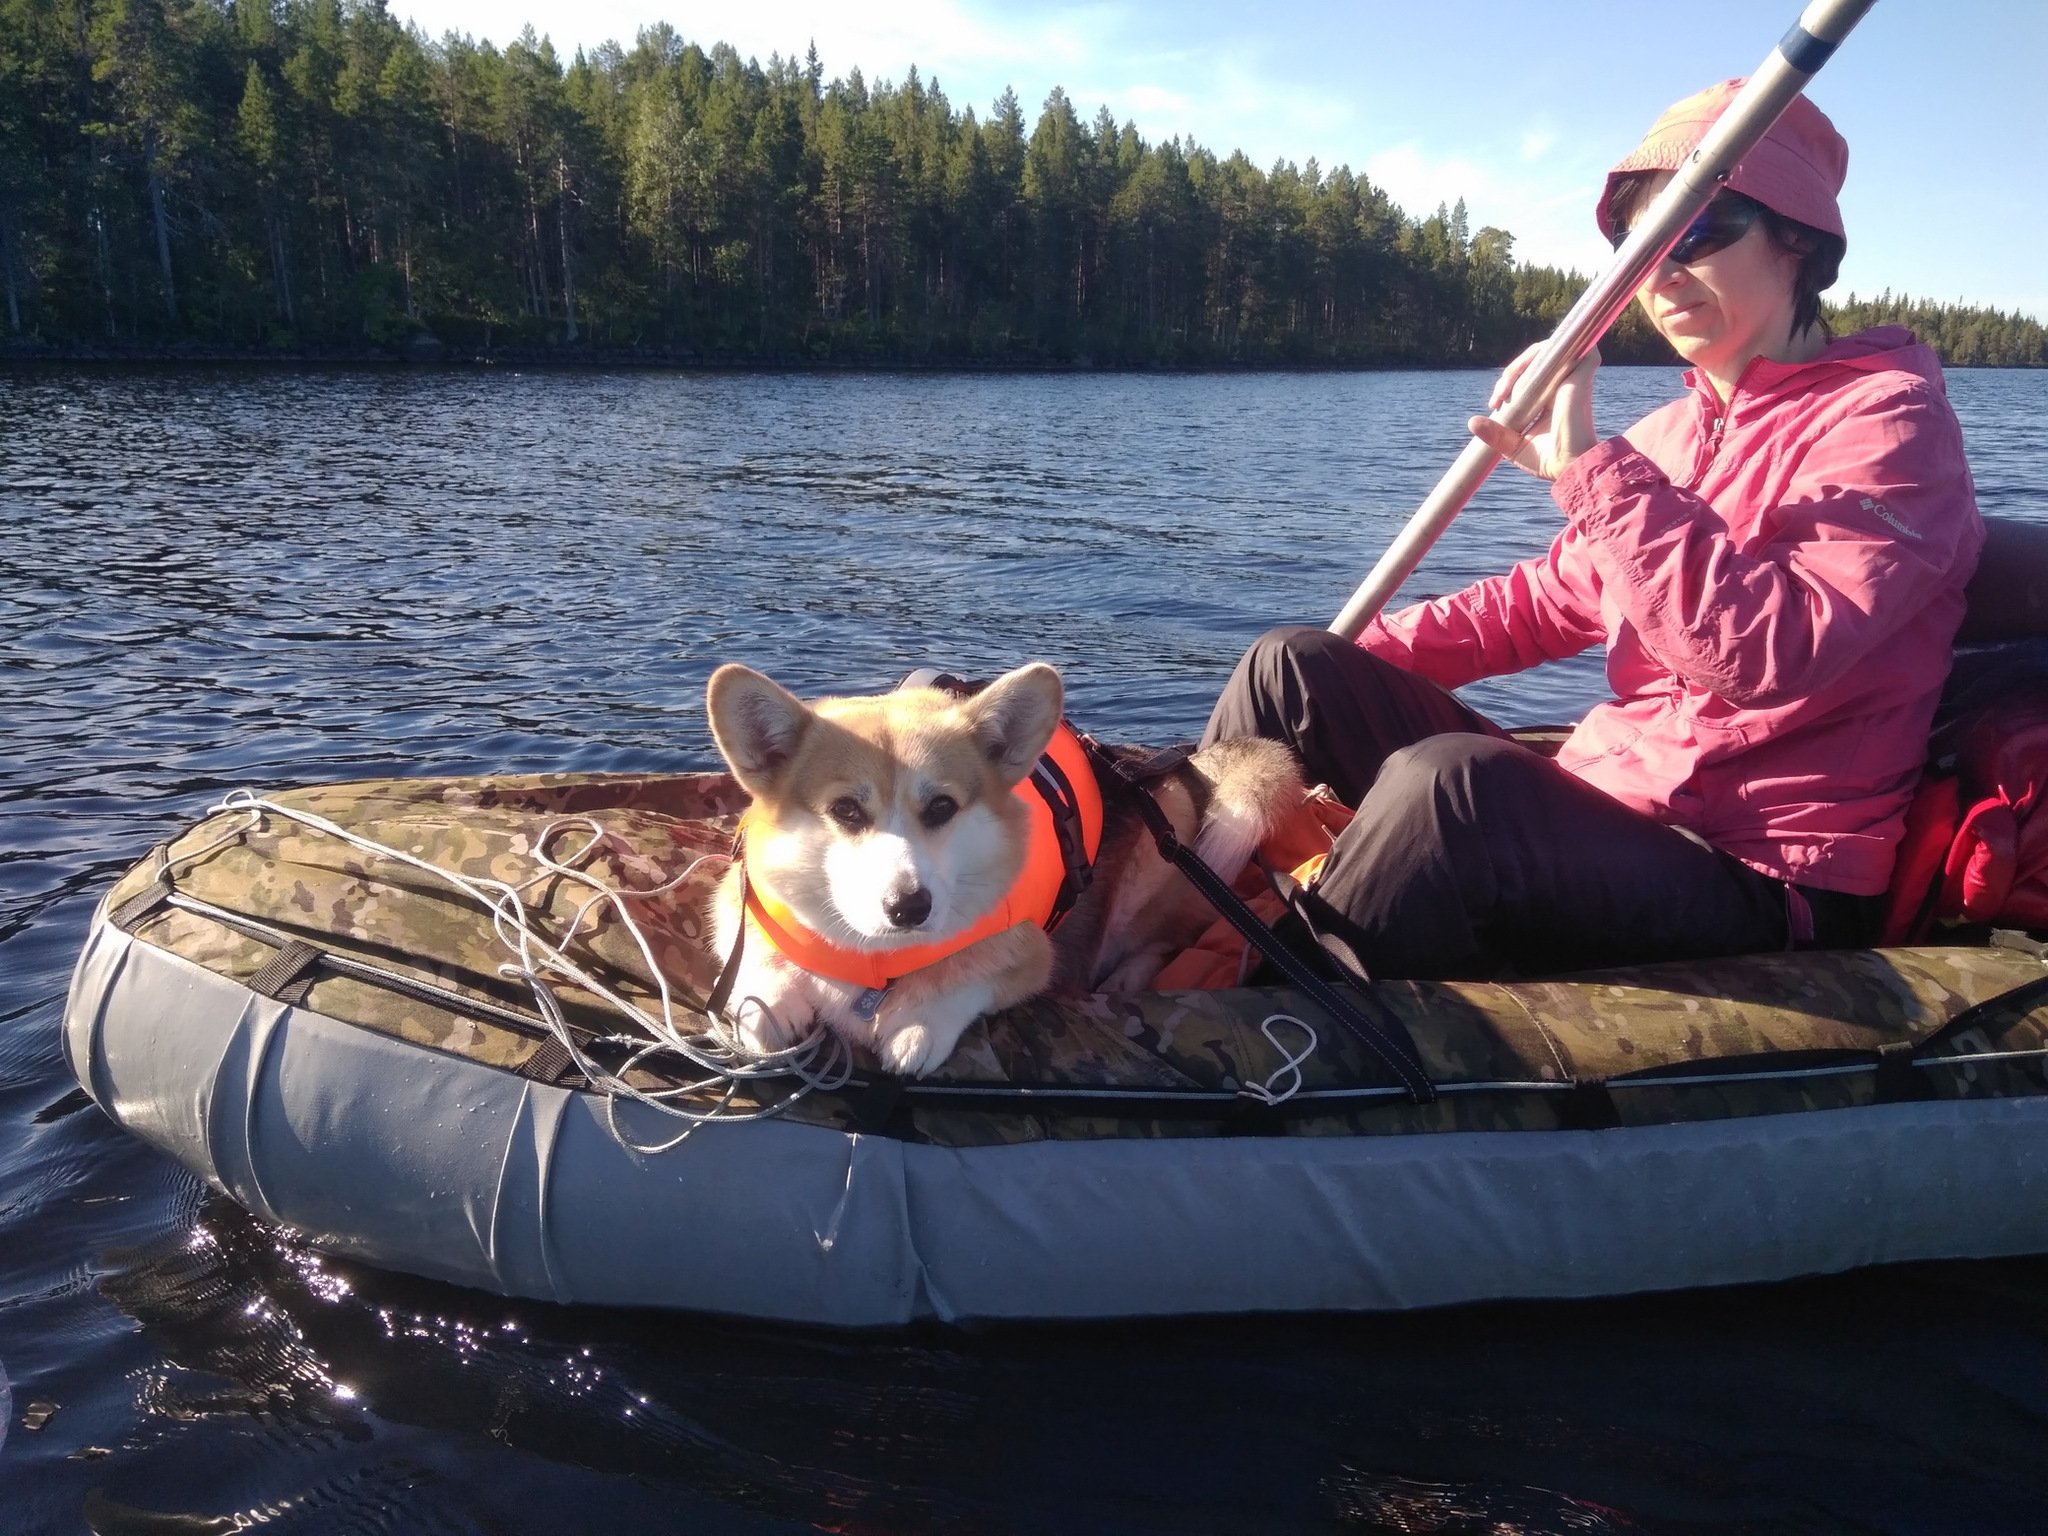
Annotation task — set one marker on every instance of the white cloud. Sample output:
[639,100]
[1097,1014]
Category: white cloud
[1547,208]
[1242,92]
[944,38]
[1155,103]
[1277,83]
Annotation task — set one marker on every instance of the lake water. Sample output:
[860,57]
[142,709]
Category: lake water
[217,578]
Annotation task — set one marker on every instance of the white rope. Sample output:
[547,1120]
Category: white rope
[1266,1093]
[819,1061]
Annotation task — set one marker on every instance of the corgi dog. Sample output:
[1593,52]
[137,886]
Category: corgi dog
[894,825]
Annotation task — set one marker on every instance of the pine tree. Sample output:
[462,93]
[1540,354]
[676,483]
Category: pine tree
[310,173]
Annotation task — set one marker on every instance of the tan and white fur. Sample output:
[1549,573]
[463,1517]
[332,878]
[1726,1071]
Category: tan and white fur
[889,821]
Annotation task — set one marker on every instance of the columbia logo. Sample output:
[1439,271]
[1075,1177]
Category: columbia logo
[1879,509]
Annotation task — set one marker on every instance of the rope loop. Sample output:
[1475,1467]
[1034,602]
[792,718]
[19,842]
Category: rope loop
[706,1051]
[1267,1093]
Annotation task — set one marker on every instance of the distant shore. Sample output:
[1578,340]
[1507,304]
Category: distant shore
[573,359]
[569,359]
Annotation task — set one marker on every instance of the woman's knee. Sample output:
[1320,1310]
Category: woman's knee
[1306,657]
[1459,757]
[1278,673]
[1289,641]
[1459,779]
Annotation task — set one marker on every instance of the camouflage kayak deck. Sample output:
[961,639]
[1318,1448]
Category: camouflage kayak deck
[1501,1052]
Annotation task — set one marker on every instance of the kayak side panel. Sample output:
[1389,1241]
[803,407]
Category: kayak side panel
[422,1161]
[418,1160]
[1389,1222]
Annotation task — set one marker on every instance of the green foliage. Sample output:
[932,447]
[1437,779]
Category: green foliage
[256,121]
[1964,336]
[311,174]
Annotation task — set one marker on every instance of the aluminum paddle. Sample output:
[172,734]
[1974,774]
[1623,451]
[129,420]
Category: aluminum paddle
[1782,76]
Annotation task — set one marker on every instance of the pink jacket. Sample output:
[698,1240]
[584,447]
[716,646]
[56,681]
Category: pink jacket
[1778,587]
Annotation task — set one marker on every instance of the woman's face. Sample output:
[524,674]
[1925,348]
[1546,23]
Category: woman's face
[1722,310]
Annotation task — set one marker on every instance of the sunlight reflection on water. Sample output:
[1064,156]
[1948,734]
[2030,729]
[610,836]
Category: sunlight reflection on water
[219,577]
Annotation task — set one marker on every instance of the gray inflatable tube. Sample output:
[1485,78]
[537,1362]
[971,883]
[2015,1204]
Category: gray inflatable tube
[414,1160]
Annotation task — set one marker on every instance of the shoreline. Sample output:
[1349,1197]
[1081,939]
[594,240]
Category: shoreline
[437,355]
[559,359]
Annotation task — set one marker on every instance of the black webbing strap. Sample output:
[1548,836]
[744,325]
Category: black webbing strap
[149,898]
[721,989]
[549,1063]
[1249,1116]
[288,975]
[1387,1041]
[879,1108]
[1590,1107]
[1899,1081]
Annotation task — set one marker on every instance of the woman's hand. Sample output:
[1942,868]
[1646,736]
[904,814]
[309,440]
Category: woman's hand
[1560,434]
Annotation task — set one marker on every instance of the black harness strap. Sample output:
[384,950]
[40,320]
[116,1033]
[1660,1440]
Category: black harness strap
[1057,790]
[1386,1038]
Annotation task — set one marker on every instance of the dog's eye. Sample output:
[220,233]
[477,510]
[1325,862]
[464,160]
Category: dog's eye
[849,813]
[941,810]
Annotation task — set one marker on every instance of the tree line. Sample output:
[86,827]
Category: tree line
[1966,336]
[310,176]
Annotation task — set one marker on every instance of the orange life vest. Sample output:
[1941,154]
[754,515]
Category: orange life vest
[1062,777]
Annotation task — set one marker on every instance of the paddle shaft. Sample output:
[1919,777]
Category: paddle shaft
[1796,59]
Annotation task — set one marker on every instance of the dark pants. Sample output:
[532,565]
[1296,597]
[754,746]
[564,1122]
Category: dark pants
[1473,856]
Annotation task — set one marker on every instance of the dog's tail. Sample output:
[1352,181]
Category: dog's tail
[1254,786]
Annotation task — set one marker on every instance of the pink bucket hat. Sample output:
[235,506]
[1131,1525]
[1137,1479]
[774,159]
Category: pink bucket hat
[1796,169]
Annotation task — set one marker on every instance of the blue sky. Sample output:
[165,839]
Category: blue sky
[1516,108]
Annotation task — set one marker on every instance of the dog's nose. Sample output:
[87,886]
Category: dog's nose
[910,908]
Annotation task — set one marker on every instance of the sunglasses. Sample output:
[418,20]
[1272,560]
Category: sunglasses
[1719,225]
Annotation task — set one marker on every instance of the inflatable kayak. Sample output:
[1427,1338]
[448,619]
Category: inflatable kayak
[338,1040]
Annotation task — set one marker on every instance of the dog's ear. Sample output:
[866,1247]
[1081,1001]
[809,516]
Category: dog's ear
[1014,717]
[756,723]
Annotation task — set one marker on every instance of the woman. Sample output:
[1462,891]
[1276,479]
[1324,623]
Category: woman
[1776,564]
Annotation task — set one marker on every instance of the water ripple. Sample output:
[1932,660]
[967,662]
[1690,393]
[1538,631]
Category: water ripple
[222,577]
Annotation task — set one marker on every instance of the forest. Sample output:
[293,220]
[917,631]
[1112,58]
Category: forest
[312,178]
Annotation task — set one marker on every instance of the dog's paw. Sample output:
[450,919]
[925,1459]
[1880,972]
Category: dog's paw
[765,1027]
[916,1049]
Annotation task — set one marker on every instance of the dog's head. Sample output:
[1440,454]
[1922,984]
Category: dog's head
[885,821]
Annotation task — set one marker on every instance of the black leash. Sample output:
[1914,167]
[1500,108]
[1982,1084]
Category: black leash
[1387,1041]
